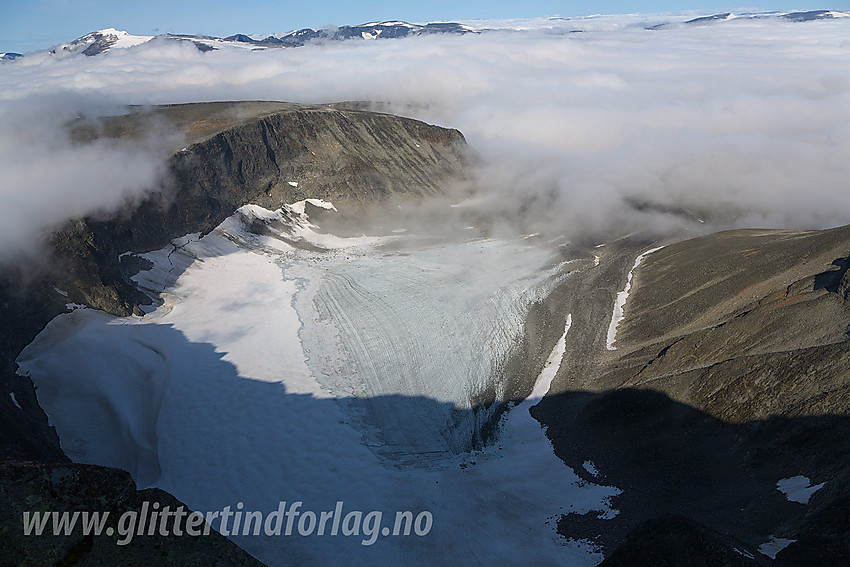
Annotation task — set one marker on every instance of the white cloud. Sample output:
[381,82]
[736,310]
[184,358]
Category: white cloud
[46,178]
[748,122]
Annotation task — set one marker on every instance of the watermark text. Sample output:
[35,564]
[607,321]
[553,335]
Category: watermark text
[153,519]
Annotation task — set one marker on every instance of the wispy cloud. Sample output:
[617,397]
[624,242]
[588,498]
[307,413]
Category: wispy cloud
[46,178]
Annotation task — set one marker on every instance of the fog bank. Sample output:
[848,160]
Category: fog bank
[623,128]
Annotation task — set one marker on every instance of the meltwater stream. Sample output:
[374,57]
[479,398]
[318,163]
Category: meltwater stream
[344,371]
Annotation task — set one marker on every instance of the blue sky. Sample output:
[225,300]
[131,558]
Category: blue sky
[30,25]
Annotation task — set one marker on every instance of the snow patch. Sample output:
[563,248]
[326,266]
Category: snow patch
[774,545]
[798,488]
[126,40]
[298,206]
[553,363]
[591,468]
[292,224]
[620,302]
[15,401]
[390,23]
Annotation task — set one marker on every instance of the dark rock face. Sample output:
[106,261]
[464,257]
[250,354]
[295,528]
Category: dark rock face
[731,372]
[91,44]
[36,487]
[674,541]
[844,287]
[240,37]
[26,305]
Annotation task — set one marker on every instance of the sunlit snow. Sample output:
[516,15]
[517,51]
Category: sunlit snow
[620,302]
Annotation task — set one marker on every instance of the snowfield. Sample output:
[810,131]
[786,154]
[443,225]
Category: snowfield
[344,371]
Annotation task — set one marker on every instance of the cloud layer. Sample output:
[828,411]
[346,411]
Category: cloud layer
[46,178]
[744,124]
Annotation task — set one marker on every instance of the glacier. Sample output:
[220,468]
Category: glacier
[290,364]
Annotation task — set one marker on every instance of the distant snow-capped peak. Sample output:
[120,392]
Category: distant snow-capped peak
[104,40]
[100,41]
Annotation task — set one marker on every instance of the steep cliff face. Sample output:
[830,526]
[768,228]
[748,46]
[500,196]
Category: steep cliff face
[260,153]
